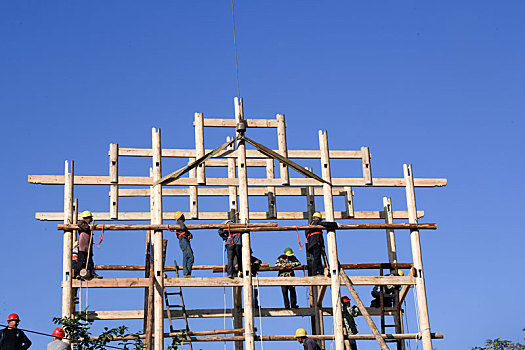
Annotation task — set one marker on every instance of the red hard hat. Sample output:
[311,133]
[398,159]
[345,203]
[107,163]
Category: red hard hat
[345,299]
[58,332]
[13,317]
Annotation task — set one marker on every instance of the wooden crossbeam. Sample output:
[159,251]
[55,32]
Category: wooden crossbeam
[315,337]
[237,282]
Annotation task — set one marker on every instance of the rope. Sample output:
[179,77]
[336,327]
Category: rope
[299,239]
[101,236]
[417,317]
[235,48]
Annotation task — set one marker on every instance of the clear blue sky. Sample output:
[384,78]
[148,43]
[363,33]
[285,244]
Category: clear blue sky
[436,84]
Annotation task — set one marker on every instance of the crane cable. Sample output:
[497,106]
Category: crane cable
[235,49]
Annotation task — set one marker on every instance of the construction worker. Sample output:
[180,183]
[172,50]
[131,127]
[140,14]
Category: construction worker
[349,312]
[184,236]
[315,243]
[287,262]
[12,338]
[256,265]
[233,244]
[308,344]
[85,246]
[388,293]
[57,343]
[74,259]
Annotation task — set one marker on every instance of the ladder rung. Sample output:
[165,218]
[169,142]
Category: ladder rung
[173,293]
[174,305]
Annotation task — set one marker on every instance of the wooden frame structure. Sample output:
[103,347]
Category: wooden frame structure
[238,187]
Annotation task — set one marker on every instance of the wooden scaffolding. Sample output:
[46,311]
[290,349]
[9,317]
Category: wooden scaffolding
[238,187]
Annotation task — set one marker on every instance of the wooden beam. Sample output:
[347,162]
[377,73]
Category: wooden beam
[131,227]
[199,146]
[367,168]
[220,313]
[194,194]
[283,149]
[272,205]
[231,123]
[67,216]
[113,176]
[185,181]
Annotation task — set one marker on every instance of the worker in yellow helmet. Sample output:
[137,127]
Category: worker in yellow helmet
[308,344]
[315,243]
[185,236]
[85,246]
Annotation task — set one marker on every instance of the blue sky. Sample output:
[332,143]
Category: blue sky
[436,84]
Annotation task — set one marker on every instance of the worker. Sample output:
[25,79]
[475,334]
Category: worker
[74,259]
[85,246]
[308,344]
[256,265]
[233,244]
[57,343]
[287,262]
[184,236]
[388,293]
[12,338]
[349,312]
[315,242]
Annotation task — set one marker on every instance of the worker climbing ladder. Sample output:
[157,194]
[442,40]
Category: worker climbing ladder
[239,154]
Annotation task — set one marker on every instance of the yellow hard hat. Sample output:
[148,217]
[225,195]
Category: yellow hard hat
[300,332]
[87,214]
[317,215]
[400,273]
[178,215]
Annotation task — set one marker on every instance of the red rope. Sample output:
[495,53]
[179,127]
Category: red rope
[101,236]
[299,239]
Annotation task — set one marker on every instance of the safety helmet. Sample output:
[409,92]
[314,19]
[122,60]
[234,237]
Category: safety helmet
[288,252]
[345,299]
[400,273]
[317,215]
[87,214]
[178,215]
[58,332]
[300,332]
[13,317]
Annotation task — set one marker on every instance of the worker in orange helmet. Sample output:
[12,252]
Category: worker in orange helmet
[57,343]
[12,338]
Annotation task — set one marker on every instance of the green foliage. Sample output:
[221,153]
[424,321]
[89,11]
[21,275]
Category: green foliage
[498,344]
[178,339]
[77,329]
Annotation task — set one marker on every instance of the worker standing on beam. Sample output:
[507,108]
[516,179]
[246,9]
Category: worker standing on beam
[233,244]
[57,343]
[308,344]
[85,246]
[287,262]
[184,235]
[349,312]
[12,338]
[315,242]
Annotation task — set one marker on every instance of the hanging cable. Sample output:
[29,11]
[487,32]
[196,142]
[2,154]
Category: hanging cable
[417,317]
[260,310]
[235,48]
[224,295]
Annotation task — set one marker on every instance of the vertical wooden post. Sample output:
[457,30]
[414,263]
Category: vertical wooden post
[113,178]
[244,217]
[149,273]
[199,147]
[156,219]
[283,149]
[349,202]
[417,260]
[237,314]
[272,206]
[194,194]
[67,281]
[332,243]
[367,169]
[74,291]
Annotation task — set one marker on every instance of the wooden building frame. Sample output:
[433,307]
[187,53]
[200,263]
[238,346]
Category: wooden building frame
[238,187]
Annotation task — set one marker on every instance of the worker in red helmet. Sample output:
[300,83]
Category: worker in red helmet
[57,343]
[349,312]
[12,338]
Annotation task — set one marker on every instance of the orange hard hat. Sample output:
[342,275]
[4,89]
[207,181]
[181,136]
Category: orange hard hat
[58,332]
[13,317]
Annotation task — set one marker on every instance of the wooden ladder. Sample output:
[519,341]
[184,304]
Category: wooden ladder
[398,329]
[181,306]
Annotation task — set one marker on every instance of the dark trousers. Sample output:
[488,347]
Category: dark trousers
[317,263]
[293,296]
[81,263]
[187,256]
[233,251]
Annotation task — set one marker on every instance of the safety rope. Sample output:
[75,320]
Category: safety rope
[299,239]
[101,236]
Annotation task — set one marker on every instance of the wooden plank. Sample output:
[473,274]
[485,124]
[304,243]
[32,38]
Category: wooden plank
[220,313]
[236,282]
[184,181]
[225,215]
[417,257]
[272,206]
[283,149]
[67,278]
[231,123]
[193,195]
[113,176]
[315,337]
[331,240]
[367,168]
[199,147]
[111,227]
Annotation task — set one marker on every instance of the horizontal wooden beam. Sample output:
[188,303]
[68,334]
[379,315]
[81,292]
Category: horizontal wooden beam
[219,313]
[232,123]
[315,337]
[135,227]
[166,268]
[186,181]
[237,282]
[250,154]
[125,216]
